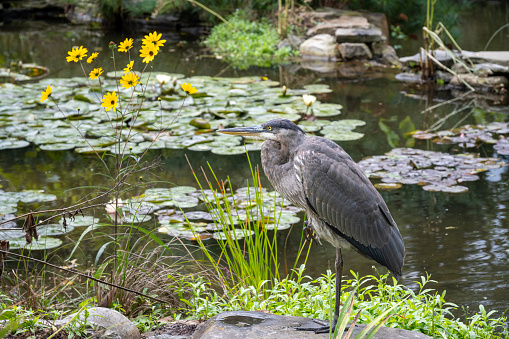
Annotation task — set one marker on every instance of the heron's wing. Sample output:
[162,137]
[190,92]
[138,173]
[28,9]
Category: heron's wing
[341,195]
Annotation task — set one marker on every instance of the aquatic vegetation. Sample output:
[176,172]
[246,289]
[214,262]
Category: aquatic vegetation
[434,171]
[220,102]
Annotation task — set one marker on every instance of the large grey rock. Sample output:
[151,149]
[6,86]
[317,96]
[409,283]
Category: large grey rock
[106,323]
[321,46]
[442,56]
[256,325]
[367,35]
[385,52]
[295,41]
[351,51]
[479,82]
[330,26]
[496,57]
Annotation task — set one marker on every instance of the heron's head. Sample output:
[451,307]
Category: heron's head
[279,130]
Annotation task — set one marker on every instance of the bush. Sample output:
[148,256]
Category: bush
[245,43]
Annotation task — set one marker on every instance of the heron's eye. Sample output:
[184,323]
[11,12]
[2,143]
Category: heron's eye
[269,128]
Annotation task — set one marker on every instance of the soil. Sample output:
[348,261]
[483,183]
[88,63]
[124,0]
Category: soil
[41,334]
[175,328]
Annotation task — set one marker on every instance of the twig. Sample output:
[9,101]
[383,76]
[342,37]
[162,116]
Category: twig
[83,275]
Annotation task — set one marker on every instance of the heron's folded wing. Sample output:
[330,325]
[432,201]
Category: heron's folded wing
[343,197]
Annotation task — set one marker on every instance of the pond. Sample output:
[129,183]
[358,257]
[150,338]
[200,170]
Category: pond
[462,240]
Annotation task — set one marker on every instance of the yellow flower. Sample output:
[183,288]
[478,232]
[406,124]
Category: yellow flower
[125,45]
[129,67]
[92,57]
[188,88]
[129,80]
[148,52]
[308,99]
[45,94]
[154,39]
[110,101]
[76,54]
[95,73]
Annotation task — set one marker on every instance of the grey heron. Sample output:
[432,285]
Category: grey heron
[341,204]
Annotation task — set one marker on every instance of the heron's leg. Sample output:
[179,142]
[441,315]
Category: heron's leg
[308,231]
[339,275]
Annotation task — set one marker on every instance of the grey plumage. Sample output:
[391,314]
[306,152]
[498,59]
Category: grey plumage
[342,205]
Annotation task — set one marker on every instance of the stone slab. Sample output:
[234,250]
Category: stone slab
[368,35]
[256,325]
[496,57]
[330,26]
[351,51]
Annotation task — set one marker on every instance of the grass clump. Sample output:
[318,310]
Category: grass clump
[244,43]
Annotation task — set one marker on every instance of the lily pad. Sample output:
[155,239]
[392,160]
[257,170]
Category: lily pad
[53,229]
[80,221]
[43,243]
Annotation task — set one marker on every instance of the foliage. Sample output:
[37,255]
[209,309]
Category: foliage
[248,43]
[253,262]
[411,15]
[424,310]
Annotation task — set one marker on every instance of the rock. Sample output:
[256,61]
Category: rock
[496,57]
[359,35]
[482,69]
[438,54]
[321,46]
[380,21]
[350,51]
[106,323]
[479,82]
[283,43]
[295,41]
[330,26]
[256,325]
[385,52]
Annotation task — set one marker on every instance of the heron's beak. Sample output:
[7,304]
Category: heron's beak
[243,131]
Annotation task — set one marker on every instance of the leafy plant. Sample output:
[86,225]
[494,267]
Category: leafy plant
[248,43]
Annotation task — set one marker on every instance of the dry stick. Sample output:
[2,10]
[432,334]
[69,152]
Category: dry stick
[78,205]
[84,275]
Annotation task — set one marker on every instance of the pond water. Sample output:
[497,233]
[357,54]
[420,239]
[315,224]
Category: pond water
[462,240]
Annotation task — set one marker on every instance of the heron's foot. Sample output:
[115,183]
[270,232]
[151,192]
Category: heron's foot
[326,328]
[309,232]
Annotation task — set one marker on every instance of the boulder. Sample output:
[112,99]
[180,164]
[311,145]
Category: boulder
[106,323]
[478,81]
[442,56]
[321,46]
[256,325]
[330,26]
[367,35]
[351,51]
[496,57]
[295,41]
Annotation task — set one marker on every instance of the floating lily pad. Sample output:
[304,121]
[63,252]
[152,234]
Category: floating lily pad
[43,243]
[12,143]
[53,229]
[79,221]
[236,234]
[136,218]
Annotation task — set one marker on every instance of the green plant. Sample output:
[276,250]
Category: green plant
[249,259]
[250,43]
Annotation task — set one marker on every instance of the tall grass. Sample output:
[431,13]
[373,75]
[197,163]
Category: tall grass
[248,255]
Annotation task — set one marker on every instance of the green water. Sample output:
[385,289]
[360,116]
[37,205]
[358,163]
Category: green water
[461,240]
